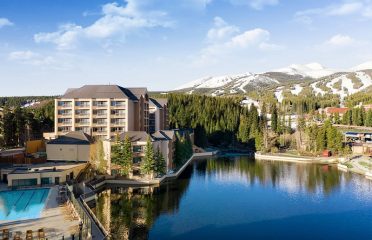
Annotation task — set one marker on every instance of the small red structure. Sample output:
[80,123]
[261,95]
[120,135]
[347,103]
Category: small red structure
[326,153]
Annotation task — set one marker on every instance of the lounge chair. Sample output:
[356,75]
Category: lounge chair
[29,235]
[5,234]
[41,234]
[17,237]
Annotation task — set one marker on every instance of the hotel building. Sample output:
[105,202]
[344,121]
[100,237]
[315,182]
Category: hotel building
[102,110]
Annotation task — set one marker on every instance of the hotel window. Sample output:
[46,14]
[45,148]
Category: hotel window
[118,121]
[83,112]
[118,112]
[65,120]
[117,103]
[137,149]
[64,103]
[99,129]
[100,121]
[64,112]
[83,129]
[82,104]
[64,129]
[100,103]
[82,120]
[24,182]
[100,112]
[137,160]
[117,129]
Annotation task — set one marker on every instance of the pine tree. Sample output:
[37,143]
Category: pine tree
[127,158]
[9,128]
[160,164]
[274,118]
[148,164]
[20,123]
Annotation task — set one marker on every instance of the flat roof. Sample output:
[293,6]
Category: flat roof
[44,167]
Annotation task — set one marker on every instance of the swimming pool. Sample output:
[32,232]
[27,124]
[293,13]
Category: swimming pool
[22,204]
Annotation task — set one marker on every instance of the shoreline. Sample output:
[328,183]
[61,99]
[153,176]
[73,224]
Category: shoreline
[151,182]
[319,160]
[316,160]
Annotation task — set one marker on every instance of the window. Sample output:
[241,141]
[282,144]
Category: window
[64,112]
[100,112]
[64,129]
[82,104]
[100,121]
[64,103]
[118,121]
[82,120]
[82,112]
[65,120]
[118,112]
[137,149]
[99,129]
[137,160]
[24,182]
[117,103]
[100,103]
[46,181]
[117,129]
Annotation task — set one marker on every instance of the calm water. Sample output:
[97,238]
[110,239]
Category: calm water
[239,198]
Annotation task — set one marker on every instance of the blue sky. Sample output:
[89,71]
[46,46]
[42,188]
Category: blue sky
[49,46]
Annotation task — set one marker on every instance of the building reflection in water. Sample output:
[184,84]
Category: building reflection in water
[129,213]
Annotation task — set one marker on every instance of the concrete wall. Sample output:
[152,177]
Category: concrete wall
[61,152]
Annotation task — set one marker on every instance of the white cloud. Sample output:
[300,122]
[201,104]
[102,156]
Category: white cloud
[362,8]
[255,4]
[345,9]
[116,20]
[340,40]
[254,39]
[249,38]
[5,22]
[29,57]
[221,30]
[66,36]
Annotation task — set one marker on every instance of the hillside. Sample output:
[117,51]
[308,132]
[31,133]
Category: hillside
[292,80]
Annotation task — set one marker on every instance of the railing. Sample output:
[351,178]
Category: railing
[84,217]
[96,221]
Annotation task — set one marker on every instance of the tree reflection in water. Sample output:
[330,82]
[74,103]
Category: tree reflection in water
[129,213]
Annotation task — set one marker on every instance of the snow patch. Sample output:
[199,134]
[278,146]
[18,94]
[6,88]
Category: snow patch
[279,94]
[317,90]
[297,88]
[314,70]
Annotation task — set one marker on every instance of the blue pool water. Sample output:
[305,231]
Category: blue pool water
[22,204]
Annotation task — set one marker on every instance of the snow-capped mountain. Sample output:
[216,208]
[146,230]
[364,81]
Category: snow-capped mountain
[229,84]
[313,70]
[291,80]
[363,66]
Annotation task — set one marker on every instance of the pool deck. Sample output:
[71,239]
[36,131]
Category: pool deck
[55,219]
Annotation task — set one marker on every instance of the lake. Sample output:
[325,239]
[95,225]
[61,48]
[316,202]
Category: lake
[240,198]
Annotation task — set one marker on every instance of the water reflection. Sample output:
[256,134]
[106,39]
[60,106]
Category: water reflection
[290,176]
[130,213]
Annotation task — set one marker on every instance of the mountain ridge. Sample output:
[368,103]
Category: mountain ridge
[293,79]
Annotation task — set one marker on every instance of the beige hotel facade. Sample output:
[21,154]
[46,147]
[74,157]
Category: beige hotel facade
[102,110]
